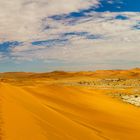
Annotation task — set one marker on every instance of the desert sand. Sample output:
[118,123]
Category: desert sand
[51,106]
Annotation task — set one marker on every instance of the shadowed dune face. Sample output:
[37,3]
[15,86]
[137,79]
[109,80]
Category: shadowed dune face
[42,107]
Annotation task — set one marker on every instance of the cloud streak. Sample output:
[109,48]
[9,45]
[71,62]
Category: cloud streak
[83,34]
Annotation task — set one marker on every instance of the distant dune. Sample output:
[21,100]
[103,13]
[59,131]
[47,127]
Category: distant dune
[132,73]
[66,106]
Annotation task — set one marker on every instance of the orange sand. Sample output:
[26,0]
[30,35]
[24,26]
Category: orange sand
[48,112]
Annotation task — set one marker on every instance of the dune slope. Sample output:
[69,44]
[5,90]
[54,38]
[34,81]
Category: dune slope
[65,113]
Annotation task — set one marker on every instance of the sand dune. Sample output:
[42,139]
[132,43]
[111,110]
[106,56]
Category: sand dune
[58,112]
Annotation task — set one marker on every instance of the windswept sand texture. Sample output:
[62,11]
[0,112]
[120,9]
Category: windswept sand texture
[62,106]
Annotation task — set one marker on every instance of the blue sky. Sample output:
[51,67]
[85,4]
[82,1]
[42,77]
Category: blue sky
[70,35]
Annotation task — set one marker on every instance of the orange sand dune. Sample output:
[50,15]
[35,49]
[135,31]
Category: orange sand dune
[48,112]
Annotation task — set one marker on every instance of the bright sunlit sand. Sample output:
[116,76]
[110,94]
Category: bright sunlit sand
[54,107]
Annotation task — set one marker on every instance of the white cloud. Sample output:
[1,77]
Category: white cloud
[21,19]
[117,44]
